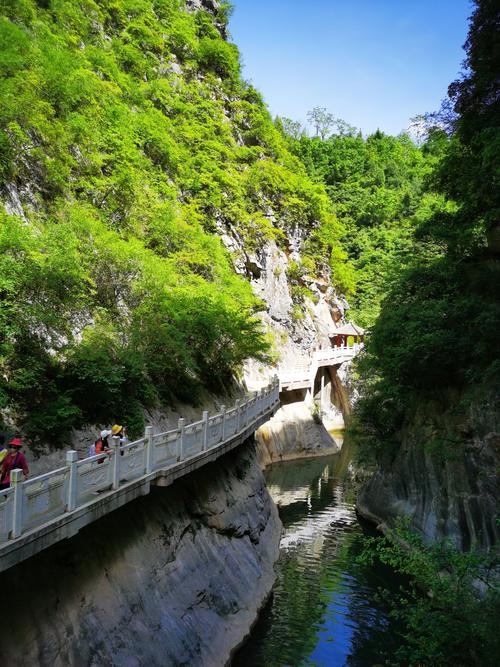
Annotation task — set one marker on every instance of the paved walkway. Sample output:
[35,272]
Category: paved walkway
[303,376]
[39,512]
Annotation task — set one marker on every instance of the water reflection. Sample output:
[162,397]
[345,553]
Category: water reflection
[324,609]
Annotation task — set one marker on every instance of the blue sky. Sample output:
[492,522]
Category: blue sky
[374,63]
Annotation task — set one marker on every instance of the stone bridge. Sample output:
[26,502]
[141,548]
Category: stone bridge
[39,512]
[303,376]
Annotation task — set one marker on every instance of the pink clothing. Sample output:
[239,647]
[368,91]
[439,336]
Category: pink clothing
[11,462]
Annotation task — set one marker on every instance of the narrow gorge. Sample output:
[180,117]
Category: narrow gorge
[283,336]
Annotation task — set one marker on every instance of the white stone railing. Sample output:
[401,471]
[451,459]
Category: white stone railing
[327,356]
[336,352]
[35,502]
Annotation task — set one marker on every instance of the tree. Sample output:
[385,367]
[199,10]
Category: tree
[419,128]
[473,179]
[345,129]
[322,120]
[291,128]
[421,344]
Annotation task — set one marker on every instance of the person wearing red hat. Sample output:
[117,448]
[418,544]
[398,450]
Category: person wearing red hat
[14,459]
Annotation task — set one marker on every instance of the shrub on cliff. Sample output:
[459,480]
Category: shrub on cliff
[448,608]
[128,137]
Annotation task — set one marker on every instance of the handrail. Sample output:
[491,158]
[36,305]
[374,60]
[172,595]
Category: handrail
[302,372]
[46,475]
[83,480]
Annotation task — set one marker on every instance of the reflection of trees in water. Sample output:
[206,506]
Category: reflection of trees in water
[374,636]
[319,584]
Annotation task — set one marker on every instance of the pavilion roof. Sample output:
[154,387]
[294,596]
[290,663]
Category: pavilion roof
[349,329]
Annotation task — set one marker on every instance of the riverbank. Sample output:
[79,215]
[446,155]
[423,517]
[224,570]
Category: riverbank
[294,433]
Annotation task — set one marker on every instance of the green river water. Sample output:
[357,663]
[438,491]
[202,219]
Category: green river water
[324,609]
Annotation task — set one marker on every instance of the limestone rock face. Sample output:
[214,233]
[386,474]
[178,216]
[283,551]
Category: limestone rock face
[292,434]
[444,476]
[196,5]
[297,330]
[174,578]
[296,431]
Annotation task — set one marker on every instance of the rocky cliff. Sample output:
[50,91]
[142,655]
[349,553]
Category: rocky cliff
[174,578]
[144,158]
[444,476]
[299,429]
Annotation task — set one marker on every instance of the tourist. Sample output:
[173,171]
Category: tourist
[101,445]
[14,459]
[121,432]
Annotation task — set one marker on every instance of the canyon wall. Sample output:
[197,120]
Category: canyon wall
[300,428]
[444,476]
[174,578]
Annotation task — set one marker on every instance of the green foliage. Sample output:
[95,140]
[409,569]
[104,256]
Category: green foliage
[127,131]
[219,56]
[297,313]
[444,619]
[439,324]
[379,191]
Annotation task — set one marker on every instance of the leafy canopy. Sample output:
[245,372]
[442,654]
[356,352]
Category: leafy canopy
[129,137]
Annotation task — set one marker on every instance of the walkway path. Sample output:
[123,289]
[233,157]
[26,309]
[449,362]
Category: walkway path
[46,509]
[303,376]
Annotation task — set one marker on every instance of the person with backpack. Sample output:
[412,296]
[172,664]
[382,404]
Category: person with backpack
[14,459]
[101,445]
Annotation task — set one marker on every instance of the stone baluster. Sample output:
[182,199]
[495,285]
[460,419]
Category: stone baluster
[16,481]
[148,446]
[71,459]
[223,427]
[180,426]
[204,441]
[244,414]
[115,463]
[238,415]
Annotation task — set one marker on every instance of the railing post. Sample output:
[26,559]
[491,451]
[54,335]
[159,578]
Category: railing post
[262,395]
[16,480]
[223,413]
[244,414]
[238,415]
[116,462]
[256,395]
[148,444]
[204,442]
[71,459]
[180,426]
